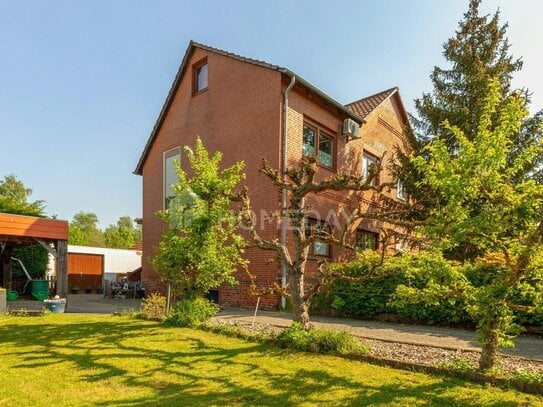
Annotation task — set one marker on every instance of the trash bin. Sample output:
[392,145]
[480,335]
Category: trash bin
[39,289]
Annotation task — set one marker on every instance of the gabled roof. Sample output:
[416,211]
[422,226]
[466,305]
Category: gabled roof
[183,68]
[365,106]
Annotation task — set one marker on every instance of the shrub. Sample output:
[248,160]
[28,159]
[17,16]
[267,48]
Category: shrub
[528,377]
[153,307]
[379,295]
[320,341]
[460,365]
[192,312]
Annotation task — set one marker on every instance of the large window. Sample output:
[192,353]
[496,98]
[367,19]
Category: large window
[317,142]
[366,240]
[170,175]
[200,76]
[369,161]
[316,229]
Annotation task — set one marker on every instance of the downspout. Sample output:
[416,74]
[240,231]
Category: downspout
[284,191]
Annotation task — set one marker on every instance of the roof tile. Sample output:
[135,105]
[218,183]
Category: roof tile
[365,106]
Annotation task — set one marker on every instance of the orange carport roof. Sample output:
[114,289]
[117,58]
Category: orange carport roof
[32,227]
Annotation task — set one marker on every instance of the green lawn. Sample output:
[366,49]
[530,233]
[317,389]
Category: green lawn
[65,360]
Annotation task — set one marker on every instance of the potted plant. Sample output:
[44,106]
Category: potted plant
[56,305]
[75,290]
[99,290]
[88,290]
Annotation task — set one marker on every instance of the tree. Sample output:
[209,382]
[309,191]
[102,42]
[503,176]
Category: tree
[301,182]
[477,53]
[84,231]
[489,201]
[14,198]
[122,235]
[201,249]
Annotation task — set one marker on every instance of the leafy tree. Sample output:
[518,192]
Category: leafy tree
[489,201]
[122,235]
[84,231]
[14,198]
[201,249]
[477,53]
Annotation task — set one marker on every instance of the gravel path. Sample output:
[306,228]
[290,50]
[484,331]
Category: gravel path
[434,356]
[423,345]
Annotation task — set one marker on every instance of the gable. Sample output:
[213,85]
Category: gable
[182,73]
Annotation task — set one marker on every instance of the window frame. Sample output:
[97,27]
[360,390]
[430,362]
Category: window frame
[195,68]
[311,225]
[376,181]
[173,152]
[366,232]
[400,187]
[325,133]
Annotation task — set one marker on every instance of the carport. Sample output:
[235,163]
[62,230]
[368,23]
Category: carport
[19,230]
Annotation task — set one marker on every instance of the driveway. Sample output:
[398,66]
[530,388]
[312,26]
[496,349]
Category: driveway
[82,304]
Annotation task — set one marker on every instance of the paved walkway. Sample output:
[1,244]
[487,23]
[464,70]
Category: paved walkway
[82,304]
[526,346]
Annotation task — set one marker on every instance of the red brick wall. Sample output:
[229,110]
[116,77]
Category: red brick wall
[240,115]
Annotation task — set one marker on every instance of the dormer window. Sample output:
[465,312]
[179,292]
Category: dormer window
[200,76]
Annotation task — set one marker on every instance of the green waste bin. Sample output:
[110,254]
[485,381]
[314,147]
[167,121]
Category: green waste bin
[39,289]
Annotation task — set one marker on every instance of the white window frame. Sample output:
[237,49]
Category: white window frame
[400,191]
[374,160]
[166,155]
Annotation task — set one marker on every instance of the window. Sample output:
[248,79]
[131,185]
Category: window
[400,191]
[402,245]
[200,76]
[308,147]
[315,228]
[170,175]
[317,142]
[366,240]
[368,161]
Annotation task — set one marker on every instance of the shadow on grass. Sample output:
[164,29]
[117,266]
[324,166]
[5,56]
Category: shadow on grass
[201,368]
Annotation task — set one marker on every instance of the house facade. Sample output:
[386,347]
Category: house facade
[251,110]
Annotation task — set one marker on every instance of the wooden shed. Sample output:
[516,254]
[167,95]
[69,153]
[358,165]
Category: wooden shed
[19,230]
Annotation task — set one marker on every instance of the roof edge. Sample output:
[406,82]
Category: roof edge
[179,76]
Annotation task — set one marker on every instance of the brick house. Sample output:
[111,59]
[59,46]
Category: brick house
[248,110]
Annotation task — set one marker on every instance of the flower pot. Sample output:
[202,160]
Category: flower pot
[99,290]
[88,290]
[75,290]
[56,307]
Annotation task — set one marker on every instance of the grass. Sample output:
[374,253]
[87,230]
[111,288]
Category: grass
[67,360]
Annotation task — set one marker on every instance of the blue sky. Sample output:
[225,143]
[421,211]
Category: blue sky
[82,82]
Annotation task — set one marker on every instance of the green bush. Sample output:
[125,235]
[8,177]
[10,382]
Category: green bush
[34,258]
[378,296]
[192,312]
[320,341]
[153,307]
[528,377]
[461,365]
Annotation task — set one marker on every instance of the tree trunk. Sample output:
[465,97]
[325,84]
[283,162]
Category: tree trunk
[300,308]
[489,354]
